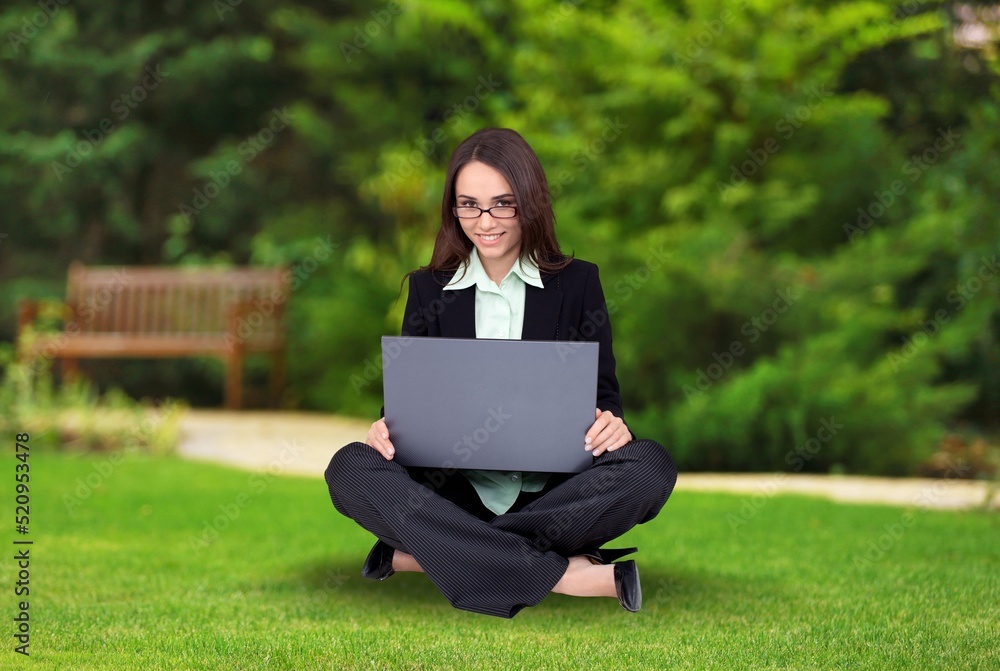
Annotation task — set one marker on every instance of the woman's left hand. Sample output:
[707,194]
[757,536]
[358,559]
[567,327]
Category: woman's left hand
[608,433]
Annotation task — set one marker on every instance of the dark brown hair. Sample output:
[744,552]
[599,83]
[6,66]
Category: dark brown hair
[505,151]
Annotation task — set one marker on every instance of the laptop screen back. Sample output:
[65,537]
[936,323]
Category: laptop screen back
[509,405]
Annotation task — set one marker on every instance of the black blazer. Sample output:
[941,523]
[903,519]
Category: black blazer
[570,307]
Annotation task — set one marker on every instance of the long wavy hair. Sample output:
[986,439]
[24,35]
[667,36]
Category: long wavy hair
[508,153]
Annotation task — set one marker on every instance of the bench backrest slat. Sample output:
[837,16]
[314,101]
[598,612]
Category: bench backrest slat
[181,302]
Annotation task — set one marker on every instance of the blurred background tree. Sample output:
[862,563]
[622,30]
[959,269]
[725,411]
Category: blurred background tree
[792,203]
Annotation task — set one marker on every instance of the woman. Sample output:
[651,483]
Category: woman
[494,542]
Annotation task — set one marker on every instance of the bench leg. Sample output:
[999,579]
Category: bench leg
[277,376]
[234,382]
[70,369]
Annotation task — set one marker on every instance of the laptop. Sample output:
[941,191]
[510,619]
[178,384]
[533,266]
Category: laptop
[490,404]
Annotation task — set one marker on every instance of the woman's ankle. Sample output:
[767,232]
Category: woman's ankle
[583,578]
[403,562]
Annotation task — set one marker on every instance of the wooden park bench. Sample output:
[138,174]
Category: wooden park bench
[167,312]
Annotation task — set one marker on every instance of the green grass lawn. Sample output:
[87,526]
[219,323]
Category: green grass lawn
[129,581]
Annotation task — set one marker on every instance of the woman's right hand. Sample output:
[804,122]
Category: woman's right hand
[378,438]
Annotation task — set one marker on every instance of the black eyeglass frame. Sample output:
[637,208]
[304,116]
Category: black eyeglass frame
[455,210]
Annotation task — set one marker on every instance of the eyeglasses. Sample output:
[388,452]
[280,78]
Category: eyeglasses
[504,212]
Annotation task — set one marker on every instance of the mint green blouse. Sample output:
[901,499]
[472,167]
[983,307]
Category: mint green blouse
[499,314]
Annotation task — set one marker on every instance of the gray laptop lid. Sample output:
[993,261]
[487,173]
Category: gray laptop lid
[508,405]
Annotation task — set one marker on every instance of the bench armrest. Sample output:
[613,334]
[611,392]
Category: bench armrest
[35,318]
[237,313]
[245,319]
[27,312]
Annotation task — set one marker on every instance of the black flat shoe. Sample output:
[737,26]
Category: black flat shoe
[378,565]
[627,585]
[607,555]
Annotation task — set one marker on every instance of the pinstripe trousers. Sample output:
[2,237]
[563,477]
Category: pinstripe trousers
[498,564]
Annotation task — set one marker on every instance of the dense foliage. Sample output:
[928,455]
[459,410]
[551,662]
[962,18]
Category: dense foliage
[792,203]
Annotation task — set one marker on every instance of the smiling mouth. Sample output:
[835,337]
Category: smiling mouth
[490,238]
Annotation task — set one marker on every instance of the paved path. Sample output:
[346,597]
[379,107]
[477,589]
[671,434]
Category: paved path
[298,443]
[293,442]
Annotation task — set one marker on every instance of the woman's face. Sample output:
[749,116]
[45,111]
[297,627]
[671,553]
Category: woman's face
[498,240]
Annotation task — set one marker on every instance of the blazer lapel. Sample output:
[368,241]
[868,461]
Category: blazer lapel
[541,311]
[458,315]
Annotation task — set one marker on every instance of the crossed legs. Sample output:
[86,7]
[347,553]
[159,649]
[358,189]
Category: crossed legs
[498,566]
